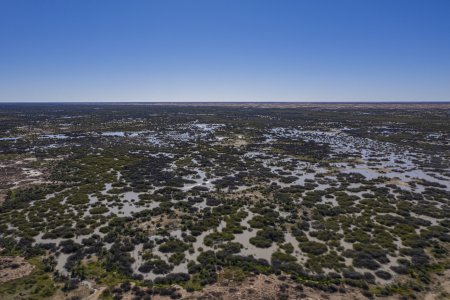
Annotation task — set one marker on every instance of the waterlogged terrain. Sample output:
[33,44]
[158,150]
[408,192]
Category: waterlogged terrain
[220,201]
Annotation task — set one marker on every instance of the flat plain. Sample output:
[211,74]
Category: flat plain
[225,201]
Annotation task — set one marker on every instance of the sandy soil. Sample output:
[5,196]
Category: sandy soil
[235,141]
[441,288]
[20,172]
[269,287]
[96,294]
[157,223]
[13,267]
[397,182]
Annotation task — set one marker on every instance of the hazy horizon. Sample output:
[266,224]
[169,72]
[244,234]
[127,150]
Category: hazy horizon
[218,102]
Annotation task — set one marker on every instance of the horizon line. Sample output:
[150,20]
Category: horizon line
[231,101]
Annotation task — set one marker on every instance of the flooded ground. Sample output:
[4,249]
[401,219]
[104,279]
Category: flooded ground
[152,197]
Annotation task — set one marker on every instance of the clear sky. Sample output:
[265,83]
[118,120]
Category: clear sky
[224,50]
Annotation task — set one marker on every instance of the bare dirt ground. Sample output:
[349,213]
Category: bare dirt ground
[235,141]
[396,182]
[96,294]
[82,292]
[18,172]
[267,288]
[157,223]
[263,287]
[271,287]
[13,267]
[441,289]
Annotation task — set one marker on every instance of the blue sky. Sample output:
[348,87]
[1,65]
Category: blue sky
[224,50]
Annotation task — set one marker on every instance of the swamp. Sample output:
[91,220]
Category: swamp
[207,201]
